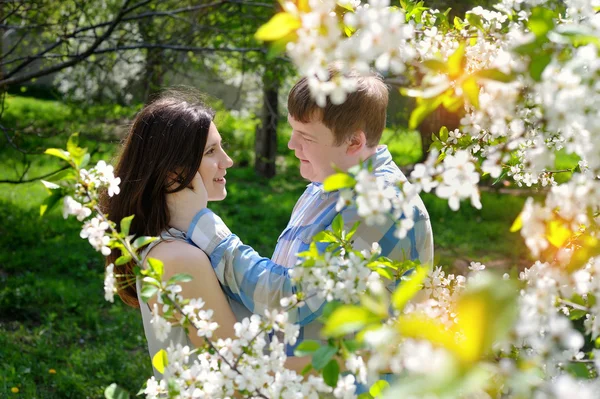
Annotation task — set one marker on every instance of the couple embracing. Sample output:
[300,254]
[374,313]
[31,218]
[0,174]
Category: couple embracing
[172,163]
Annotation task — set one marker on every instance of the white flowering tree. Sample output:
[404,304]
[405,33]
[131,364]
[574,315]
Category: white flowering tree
[524,78]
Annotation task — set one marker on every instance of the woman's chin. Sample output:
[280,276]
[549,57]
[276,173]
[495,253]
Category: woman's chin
[218,196]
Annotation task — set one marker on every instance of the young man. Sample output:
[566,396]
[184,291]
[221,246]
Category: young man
[340,135]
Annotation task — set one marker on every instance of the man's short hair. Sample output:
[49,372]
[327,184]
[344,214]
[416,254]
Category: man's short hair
[364,109]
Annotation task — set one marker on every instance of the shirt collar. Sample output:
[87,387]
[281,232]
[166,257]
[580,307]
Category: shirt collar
[381,157]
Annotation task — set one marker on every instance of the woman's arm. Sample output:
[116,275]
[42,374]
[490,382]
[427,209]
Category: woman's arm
[180,257]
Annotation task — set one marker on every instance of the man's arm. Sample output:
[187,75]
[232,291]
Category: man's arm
[260,284]
[255,281]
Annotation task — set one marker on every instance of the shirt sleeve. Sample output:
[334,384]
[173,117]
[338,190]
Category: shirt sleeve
[247,277]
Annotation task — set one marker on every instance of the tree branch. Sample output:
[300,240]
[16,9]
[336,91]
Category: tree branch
[180,48]
[15,80]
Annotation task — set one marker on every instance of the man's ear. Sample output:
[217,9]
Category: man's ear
[356,143]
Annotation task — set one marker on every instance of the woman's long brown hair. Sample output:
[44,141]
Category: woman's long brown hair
[167,138]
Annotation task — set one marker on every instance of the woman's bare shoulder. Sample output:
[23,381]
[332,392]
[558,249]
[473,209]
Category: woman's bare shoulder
[179,253]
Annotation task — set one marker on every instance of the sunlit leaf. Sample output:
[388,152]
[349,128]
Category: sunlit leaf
[281,25]
[123,259]
[378,387]
[156,265]
[143,241]
[557,234]
[347,319]
[57,152]
[338,181]
[471,89]
[125,225]
[408,288]
[456,62]
[160,361]
[517,224]
[113,391]
[541,21]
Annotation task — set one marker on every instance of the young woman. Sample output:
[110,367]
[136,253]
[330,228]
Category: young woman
[171,141]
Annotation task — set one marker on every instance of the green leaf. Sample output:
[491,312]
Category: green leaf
[322,356]
[156,265]
[148,291]
[63,175]
[338,224]
[278,47]
[458,23]
[306,348]
[325,236]
[579,370]
[331,373]
[338,181]
[378,387]
[57,152]
[435,65]
[160,361]
[351,345]
[541,21]
[126,224]
[306,369]
[474,20]
[443,134]
[347,319]
[50,186]
[494,74]
[407,289]
[329,308]
[352,231]
[123,259]
[77,153]
[113,391]
[50,202]
[576,314]
[537,66]
[143,241]
[180,278]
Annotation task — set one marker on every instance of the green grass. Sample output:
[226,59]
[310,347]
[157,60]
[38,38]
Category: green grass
[52,311]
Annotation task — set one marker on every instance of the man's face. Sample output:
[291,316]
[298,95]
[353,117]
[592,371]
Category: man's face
[313,145]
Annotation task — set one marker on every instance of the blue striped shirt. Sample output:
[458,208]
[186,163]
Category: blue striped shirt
[259,283]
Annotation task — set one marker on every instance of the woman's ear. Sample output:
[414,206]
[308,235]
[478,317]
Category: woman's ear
[356,143]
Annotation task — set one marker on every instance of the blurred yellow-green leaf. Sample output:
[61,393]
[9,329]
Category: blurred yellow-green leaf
[278,27]
[160,361]
[408,288]
[338,181]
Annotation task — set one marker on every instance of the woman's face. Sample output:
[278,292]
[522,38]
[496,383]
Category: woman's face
[214,165]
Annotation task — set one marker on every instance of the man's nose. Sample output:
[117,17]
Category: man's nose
[292,142]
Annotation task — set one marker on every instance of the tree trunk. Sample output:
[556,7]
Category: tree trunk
[432,125]
[153,74]
[265,146]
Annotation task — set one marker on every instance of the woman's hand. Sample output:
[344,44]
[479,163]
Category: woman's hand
[185,204]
